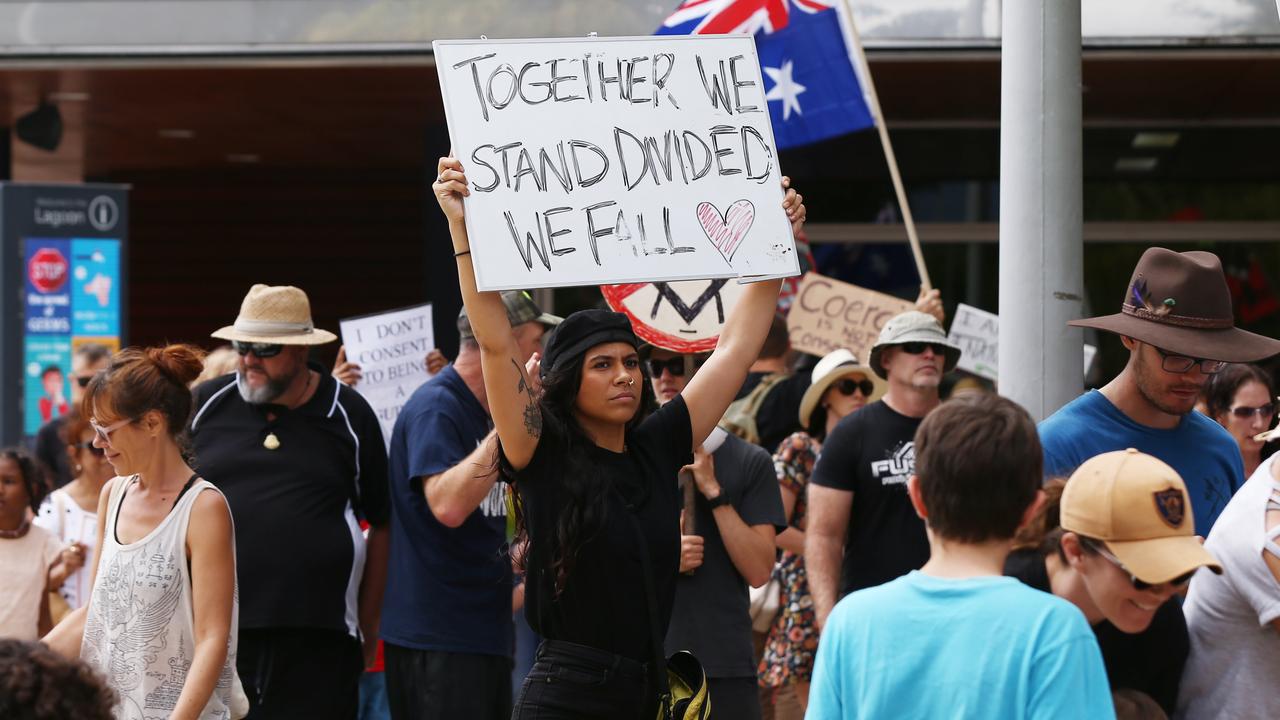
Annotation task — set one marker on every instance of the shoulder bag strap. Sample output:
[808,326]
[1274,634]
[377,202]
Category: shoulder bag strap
[659,662]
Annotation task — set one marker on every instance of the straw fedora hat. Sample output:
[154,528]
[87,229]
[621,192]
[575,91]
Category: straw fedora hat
[834,366]
[279,315]
[1180,303]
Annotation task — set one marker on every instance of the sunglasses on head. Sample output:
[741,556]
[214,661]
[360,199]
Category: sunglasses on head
[1245,413]
[261,350]
[1179,364]
[847,386]
[1138,584]
[915,348]
[674,365]
[90,447]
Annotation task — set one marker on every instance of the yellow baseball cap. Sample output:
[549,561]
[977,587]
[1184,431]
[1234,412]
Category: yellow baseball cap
[1139,508]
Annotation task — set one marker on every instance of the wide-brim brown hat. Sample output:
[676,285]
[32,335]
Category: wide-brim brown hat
[1180,303]
[279,315]
[833,366]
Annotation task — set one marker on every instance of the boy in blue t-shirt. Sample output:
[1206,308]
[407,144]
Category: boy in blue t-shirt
[955,639]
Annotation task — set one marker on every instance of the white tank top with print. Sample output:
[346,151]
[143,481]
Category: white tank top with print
[140,628]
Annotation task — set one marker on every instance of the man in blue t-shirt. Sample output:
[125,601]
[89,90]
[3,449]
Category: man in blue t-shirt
[955,639]
[1177,324]
[446,618]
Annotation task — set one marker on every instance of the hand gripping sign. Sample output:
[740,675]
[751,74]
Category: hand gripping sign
[599,161]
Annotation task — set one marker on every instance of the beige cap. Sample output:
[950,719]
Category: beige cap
[1139,508]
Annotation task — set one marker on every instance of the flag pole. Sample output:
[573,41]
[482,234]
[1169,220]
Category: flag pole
[859,60]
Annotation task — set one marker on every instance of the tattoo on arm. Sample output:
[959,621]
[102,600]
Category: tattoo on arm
[532,413]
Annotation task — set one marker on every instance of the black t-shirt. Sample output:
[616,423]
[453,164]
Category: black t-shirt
[603,604]
[298,543]
[872,453]
[712,615]
[779,414]
[1150,661]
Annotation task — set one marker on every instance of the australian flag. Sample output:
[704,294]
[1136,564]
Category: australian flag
[812,89]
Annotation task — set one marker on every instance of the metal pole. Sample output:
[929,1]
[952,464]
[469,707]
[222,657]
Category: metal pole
[1041,223]
[863,71]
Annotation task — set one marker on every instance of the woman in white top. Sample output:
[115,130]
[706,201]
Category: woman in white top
[1234,618]
[161,621]
[71,512]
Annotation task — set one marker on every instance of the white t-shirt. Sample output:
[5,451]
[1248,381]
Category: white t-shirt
[24,572]
[1235,651]
[67,521]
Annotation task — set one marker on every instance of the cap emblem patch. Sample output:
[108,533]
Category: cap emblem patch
[1172,506]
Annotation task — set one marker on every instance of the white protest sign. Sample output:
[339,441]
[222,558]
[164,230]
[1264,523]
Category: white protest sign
[977,333]
[599,161]
[391,349]
[828,314]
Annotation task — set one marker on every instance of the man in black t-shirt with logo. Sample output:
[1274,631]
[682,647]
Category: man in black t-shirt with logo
[850,545]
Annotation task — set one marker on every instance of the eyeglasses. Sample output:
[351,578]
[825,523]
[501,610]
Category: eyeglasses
[1245,413]
[674,365]
[848,385]
[915,348]
[104,433]
[261,350]
[90,447]
[1140,585]
[1181,363]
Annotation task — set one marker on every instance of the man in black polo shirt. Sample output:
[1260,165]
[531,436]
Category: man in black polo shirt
[300,457]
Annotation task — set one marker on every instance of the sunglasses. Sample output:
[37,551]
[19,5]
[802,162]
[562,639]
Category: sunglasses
[1181,363]
[90,447]
[674,365]
[84,380]
[261,350]
[1141,585]
[104,433]
[1245,413]
[915,348]
[848,385]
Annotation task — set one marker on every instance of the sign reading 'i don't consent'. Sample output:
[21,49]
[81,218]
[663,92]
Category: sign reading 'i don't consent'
[615,160]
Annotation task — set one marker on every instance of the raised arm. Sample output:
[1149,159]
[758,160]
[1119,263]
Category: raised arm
[513,402]
[709,393]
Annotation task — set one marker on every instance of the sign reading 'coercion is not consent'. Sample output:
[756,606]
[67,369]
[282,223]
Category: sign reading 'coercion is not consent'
[615,160]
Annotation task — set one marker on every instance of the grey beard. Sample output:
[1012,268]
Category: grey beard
[262,395]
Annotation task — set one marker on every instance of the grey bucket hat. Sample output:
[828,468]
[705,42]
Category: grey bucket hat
[909,327]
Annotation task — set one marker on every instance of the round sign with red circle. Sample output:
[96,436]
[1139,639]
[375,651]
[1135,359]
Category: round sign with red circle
[47,270]
[684,317]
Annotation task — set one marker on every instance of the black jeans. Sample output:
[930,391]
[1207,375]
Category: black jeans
[426,684]
[300,673]
[575,682]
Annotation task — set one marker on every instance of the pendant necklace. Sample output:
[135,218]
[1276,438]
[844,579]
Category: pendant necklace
[271,442]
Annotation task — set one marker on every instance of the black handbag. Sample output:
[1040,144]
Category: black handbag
[682,688]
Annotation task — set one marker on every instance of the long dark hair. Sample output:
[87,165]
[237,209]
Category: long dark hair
[586,490]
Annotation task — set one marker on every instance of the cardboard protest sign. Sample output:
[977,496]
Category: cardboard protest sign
[599,161]
[828,314]
[684,317]
[977,333]
[390,349]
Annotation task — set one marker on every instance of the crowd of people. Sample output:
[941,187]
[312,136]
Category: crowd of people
[193,541]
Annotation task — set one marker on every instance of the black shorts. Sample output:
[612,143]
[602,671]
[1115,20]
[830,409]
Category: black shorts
[300,673]
[427,684]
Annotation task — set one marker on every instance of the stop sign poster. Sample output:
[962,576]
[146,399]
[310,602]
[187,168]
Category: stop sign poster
[71,296]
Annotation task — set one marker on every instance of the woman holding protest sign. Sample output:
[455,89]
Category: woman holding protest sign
[584,454]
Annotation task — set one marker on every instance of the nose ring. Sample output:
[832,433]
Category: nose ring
[631,381]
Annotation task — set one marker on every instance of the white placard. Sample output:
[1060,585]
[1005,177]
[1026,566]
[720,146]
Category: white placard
[598,161]
[977,333]
[391,350]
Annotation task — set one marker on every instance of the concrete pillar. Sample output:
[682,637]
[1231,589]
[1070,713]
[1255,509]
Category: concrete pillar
[1041,244]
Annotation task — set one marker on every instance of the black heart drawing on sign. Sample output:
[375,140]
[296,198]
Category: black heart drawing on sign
[689,312]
